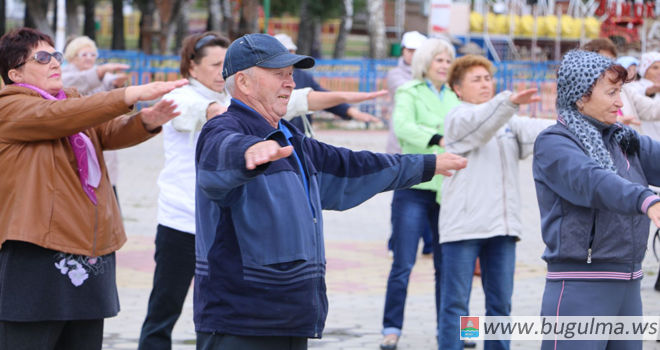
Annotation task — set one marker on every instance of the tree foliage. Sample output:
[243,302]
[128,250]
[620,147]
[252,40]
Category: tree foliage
[324,9]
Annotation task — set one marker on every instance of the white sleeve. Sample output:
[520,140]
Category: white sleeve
[297,103]
[192,107]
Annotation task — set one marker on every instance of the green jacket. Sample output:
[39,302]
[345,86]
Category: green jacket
[418,115]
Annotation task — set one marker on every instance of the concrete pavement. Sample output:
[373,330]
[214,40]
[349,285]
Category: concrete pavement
[358,263]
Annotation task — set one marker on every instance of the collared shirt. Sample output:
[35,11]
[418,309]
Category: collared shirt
[440,93]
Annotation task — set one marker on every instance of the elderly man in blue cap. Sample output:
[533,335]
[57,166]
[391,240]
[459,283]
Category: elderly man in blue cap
[261,187]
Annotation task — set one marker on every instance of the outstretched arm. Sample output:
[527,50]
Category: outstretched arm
[318,100]
[444,162]
[150,91]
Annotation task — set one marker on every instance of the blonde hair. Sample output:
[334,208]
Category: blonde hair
[76,45]
[463,64]
[425,54]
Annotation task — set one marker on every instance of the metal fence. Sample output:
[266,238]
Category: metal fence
[362,75]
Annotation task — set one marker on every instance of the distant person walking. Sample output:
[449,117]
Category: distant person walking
[399,75]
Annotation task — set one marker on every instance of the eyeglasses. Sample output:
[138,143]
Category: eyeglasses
[43,57]
[88,54]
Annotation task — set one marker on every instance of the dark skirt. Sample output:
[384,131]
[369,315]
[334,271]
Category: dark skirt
[38,284]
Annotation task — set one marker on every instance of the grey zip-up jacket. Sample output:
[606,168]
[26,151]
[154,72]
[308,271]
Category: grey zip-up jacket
[483,200]
[594,221]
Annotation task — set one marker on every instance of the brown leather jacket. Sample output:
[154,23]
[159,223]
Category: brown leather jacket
[41,198]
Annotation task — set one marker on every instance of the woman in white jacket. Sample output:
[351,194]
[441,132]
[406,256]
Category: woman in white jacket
[480,204]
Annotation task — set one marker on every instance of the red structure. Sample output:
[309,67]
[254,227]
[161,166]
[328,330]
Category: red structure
[624,23]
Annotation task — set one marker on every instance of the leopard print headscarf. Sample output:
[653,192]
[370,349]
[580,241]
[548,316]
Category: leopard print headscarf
[579,70]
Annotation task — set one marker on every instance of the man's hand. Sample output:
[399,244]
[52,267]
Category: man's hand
[264,152]
[214,109]
[158,114]
[150,91]
[445,162]
[525,97]
[654,214]
[361,116]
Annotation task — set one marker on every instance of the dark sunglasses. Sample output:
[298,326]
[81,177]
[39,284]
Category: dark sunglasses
[43,57]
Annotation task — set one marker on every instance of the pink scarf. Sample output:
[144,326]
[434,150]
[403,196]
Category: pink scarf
[89,170]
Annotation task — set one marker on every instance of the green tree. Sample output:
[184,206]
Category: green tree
[312,14]
[344,29]
[249,20]
[118,25]
[3,17]
[376,27]
[89,27]
[72,24]
[35,16]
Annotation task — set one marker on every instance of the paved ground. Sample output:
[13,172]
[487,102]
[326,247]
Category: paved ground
[358,263]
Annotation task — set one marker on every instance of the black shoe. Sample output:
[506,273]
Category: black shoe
[657,285]
[469,344]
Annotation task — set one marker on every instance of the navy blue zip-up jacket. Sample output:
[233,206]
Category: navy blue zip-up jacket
[260,252]
[593,221]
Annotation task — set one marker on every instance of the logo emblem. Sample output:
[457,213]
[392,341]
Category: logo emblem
[469,327]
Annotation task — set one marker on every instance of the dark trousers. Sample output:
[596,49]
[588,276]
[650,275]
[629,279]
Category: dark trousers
[52,335]
[175,267]
[210,341]
[592,298]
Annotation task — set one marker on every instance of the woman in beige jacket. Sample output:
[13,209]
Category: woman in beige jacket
[479,215]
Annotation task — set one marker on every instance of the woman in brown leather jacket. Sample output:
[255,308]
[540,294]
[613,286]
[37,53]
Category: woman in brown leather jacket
[59,220]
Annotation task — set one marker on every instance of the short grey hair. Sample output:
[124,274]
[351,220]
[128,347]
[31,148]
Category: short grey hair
[77,44]
[230,82]
[425,54]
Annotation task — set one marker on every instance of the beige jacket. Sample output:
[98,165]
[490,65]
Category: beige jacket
[645,109]
[42,199]
[483,200]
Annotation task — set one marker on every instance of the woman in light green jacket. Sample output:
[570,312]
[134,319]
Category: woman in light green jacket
[420,107]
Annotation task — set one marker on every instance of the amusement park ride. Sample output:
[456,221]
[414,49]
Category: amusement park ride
[553,27]
[624,19]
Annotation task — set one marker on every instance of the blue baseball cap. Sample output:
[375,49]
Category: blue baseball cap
[261,50]
[627,61]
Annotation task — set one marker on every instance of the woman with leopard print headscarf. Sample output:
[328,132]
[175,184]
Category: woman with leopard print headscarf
[592,176]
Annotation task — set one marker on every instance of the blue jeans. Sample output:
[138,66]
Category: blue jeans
[427,237]
[175,267]
[413,212]
[497,256]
